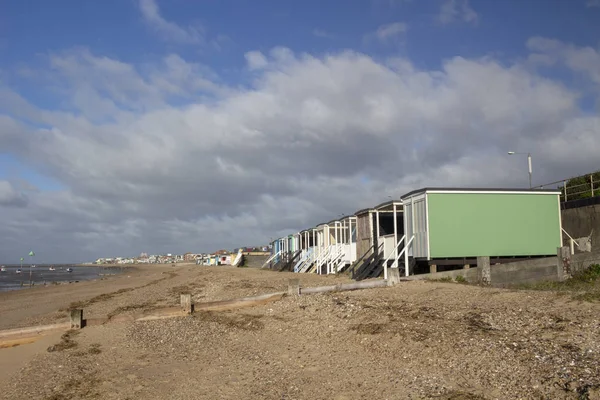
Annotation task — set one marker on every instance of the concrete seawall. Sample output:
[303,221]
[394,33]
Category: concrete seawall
[254,261]
[521,272]
[530,271]
[581,222]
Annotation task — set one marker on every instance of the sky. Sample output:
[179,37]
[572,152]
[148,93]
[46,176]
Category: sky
[168,126]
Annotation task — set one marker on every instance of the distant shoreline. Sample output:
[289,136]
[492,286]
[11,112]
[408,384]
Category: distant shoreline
[130,265]
[105,265]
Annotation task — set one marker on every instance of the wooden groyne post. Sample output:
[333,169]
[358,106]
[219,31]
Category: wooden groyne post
[76,319]
[294,287]
[186,303]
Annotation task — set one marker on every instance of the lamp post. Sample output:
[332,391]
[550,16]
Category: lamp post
[528,162]
[31,254]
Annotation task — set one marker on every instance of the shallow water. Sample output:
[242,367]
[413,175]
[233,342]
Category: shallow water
[10,280]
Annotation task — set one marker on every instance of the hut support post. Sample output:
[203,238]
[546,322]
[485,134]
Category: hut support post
[337,247]
[395,264]
[484,275]
[406,271]
[563,263]
[377,228]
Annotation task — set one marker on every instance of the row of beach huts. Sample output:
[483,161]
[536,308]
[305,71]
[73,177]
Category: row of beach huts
[427,229]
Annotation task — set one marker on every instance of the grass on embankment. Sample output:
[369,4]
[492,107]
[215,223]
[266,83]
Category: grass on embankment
[584,286]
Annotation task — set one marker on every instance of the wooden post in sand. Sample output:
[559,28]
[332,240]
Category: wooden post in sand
[393,276]
[76,319]
[186,303]
[294,287]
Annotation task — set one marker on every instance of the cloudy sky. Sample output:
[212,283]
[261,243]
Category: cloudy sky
[157,126]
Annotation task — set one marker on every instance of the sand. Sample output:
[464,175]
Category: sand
[413,340]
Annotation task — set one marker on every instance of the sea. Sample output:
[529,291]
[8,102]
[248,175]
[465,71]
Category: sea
[41,275]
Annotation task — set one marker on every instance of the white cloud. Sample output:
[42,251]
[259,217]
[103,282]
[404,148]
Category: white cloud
[592,3]
[579,59]
[10,197]
[291,150]
[457,10]
[256,60]
[167,29]
[390,3]
[102,87]
[393,32]
[322,34]
[385,32]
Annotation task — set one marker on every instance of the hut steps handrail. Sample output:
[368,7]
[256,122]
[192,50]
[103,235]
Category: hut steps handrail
[357,262]
[271,258]
[404,249]
[337,258]
[303,259]
[394,251]
[322,258]
[360,260]
[307,262]
[341,257]
[292,257]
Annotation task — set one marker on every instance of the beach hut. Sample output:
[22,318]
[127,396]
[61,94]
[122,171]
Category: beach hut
[284,252]
[307,250]
[342,237]
[293,252]
[331,246]
[389,230]
[322,249]
[452,226]
[278,248]
[379,232]
[365,228]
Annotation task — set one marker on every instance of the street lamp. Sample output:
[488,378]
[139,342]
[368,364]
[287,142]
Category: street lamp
[528,161]
[31,254]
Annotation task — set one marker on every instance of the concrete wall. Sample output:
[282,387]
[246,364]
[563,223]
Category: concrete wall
[254,261]
[530,271]
[527,271]
[581,261]
[579,222]
[470,275]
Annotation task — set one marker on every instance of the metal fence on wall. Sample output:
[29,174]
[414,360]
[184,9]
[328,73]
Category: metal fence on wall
[576,188]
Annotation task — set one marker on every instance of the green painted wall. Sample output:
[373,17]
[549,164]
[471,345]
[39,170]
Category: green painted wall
[478,224]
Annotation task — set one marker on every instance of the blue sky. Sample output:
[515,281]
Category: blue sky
[115,28]
[151,125]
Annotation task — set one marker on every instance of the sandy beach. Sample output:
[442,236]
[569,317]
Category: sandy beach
[413,340]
